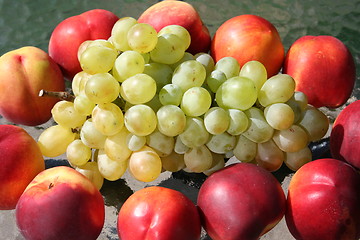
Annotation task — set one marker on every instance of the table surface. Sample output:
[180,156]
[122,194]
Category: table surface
[30,23]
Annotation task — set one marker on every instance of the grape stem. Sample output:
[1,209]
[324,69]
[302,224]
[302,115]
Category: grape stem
[61,95]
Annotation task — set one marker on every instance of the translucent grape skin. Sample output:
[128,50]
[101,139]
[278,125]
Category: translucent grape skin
[245,149]
[161,73]
[138,89]
[134,142]
[168,50]
[189,74]
[77,153]
[64,113]
[179,31]
[198,95]
[90,136]
[142,37]
[198,159]
[116,147]
[162,144]
[127,64]
[170,94]
[173,162]
[221,143]
[194,134]
[119,33]
[292,139]
[102,88]
[171,120]
[269,156]
[108,118]
[215,79]
[255,71]
[228,65]
[295,160]
[216,120]
[315,122]
[140,120]
[91,171]
[110,169]
[279,116]
[258,130]
[238,122]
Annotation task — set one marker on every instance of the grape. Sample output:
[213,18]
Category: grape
[78,82]
[77,153]
[145,164]
[236,92]
[198,95]
[228,65]
[116,146]
[170,94]
[142,37]
[138,89]
[189,74]
[102,88]
[221,143]
[292,139]
[218,162]
[216,120]
[140,120]
[162,144]
[98,59]
[161,73]
[276,89]
[135,142]
[127,64]
[64,113]
[110,169]
[269,156]
[180,147]
[301,99]
[107,118]
[194,134]
[279,116]
[179,31]
[315,123]
[54,140]
[245,149]
[187,56]
[258,130]
[215,79]
[207,61]
[255,71]
[238,122]
[83,105]
[168,50]
[90,136]
[295,160]
[171,120]
[198,159]
[154,103]
[91,171]
[119,33]
[90,43]
[173,162]
[295,106]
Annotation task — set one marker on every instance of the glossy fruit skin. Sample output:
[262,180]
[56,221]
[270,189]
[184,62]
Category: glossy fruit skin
[60,203]
[240,201]
[71,32]
[249,37]
[323,201]
[20,160]
[23,73]
[323,68]
[165,13]
[158,213]
[345,135]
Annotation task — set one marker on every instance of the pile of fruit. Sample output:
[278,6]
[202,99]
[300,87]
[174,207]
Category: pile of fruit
[149,96]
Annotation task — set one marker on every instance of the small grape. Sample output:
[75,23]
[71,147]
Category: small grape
[198,159]
[90,136]
[170,94]
[65,114]
[189,74]
[110,169]
[119,33]
[138,89]
[269,156]
[78,153]
[221,143]
[228,65]
[216,120]
[102,88]
[168,50]
[179,31]
[107,118]
[171,120]
[128,64]
[198,95]
[91,171]
[142,37]
[116,147]
[255,71]
[292,139]
[140,120]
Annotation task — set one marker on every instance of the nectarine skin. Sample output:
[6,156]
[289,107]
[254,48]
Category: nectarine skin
[20,160]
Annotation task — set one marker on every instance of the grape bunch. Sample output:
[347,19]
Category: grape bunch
[144,104]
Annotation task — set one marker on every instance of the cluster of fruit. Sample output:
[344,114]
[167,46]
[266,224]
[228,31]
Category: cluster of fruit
[141,102]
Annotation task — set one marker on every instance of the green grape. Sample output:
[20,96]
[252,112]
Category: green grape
[90,136]
[258,130]
[108,118]
[138,89]
[245,149]
[218,162]
[269,156]
[170,94]
[161,73]
[198,95]
[239,122]
[179,31]
[207,61]
[110,169]
[91,171]
[145,164]
[194,134]
[162,144]
[116,147]
[173,162]
[187,56]
[295,160]
[228,65]
[171,120]
[198,159]
[119,33]
[315,123]
[237,92]
[301,99]
[135,142]
[77,153]
[221,143]
[142,37]
[255,71]
[279,116]
[54,140]
[154,103]
[140,120]
[102,88]
[146,57]
[292,139]
[216,120]
[215,79]
[189,74]
[168,50]
[295,106]
[64,113]
[78,83]
[277,89]
[98,59]
[83,105]
[180,147]
[127,64]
